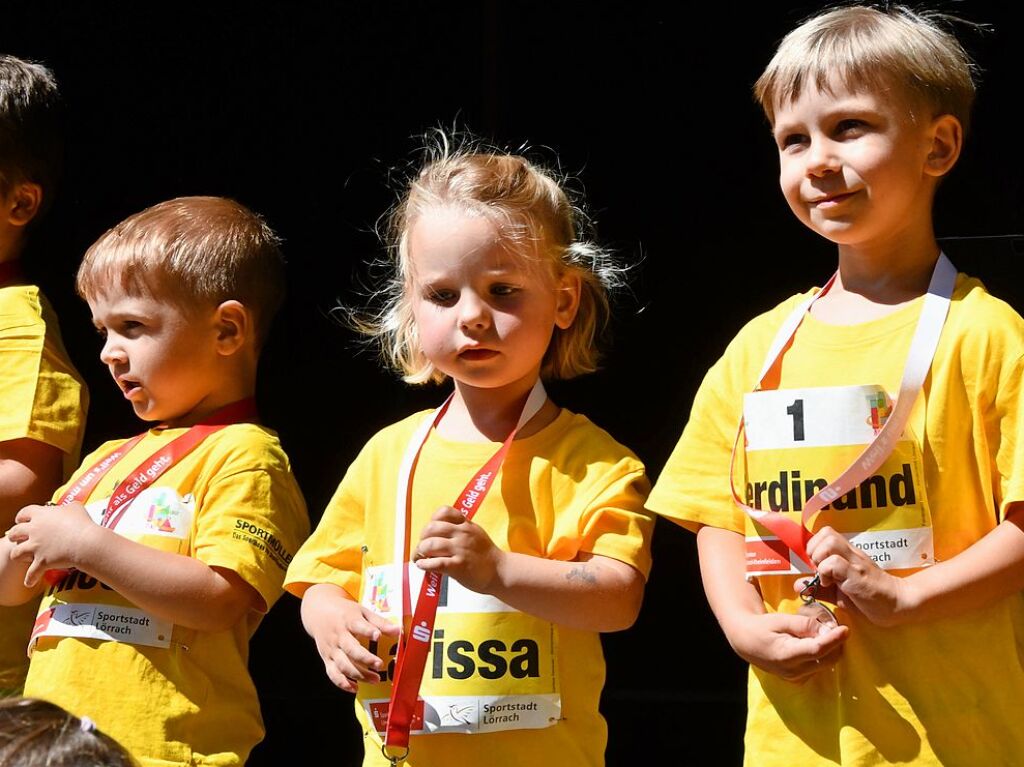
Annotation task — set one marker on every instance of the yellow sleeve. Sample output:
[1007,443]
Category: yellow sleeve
[615,523]
[252,521]
[1007,422]
[42,397]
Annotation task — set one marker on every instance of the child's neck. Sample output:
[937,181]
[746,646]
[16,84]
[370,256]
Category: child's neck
[875,282]
[490,415]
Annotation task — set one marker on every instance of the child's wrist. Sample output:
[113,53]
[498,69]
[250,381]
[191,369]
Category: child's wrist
[91,541]
[906,599]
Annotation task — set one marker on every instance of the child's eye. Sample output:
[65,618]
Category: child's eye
[503,290]
[792,139]
[440,296]
[850,126]
[131,326]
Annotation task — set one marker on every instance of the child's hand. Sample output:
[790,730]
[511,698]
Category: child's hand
[455,546]
[790,646]
[865,585]
[51,537]
[341,629]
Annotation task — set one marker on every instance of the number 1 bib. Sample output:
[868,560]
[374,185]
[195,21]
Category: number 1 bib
[796,439]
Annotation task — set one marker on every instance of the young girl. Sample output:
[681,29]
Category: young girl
[493,290]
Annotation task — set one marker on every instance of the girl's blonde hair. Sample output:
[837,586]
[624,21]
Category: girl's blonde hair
[863,47]
[535,219]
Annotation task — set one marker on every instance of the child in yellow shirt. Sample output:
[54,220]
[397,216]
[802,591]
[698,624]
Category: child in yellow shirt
[165,551]
[880,442]
[43,400]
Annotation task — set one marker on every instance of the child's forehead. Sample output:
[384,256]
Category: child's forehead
[116,299]
[835,90]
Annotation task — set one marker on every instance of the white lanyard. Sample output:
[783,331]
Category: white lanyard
[919,361]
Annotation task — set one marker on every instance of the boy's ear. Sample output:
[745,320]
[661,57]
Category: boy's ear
[23,203]
[947,139]
[234,326]
[568,291]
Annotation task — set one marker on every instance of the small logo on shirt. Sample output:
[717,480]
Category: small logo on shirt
[379,592]
[163,514]
[880,411]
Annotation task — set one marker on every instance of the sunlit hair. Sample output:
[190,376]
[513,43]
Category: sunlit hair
[196,252]
[37,733]
[859,47]
[535,220]
[30,126]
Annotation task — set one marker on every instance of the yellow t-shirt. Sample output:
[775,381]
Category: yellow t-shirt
[176,696]
[570,488]
[43,398]
[942,692]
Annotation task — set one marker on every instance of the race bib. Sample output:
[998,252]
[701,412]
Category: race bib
[109,623]
[797,441]
[490,667]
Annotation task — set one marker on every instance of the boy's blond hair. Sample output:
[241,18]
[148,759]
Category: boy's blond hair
[196,251]
[535,220]
[867,48]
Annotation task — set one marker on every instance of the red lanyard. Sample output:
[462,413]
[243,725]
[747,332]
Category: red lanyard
[10,273]
[150,469]
[413,647]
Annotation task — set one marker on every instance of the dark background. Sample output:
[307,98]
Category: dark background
[303,111]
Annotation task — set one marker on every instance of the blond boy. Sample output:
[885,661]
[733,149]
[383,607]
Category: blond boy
[154,586]
[43,399]
[923,560]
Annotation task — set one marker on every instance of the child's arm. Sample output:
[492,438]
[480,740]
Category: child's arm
[29,472]
[593,593]
[988,570]
[790,646]
[170,586]
[339,625]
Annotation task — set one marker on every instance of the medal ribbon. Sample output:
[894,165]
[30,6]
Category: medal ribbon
[919,362]
[414,645]
[150,469]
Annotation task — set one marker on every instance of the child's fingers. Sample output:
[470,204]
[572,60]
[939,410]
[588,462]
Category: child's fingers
[378,625]
[438,564]
[834,569]
[34,573]
[17,534]
[448,514]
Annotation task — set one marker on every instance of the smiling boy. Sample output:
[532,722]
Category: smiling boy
[165,551]
[890,400]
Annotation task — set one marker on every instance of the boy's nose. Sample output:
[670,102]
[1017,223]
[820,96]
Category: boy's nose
[821,158]
[111,353]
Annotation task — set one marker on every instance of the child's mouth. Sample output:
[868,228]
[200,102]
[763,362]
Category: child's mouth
[477,354]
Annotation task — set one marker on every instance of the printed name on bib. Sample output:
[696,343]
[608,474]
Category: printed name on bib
[489,666]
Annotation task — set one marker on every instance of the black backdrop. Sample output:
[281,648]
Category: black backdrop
[299,111]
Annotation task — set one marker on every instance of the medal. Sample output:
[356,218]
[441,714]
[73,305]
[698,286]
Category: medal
[812,608]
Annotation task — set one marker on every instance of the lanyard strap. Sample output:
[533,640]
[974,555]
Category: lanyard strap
[919,361]
[413,646]
[150,469]
[10,273]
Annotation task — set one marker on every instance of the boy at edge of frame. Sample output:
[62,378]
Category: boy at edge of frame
[868,109]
